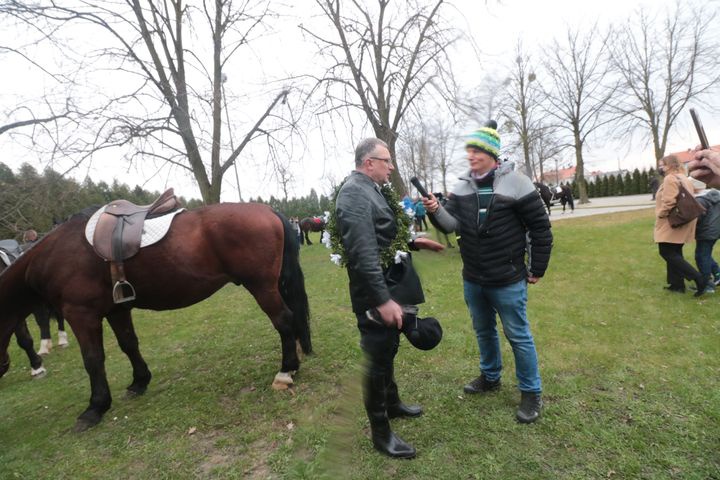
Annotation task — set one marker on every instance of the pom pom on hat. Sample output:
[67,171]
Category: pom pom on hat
[486,139]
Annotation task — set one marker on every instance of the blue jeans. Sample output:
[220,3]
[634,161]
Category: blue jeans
[704,260]
[510,302]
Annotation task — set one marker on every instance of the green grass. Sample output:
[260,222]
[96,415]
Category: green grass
[630,377]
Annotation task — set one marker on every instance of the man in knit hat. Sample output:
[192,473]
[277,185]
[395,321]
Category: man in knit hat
[505,242]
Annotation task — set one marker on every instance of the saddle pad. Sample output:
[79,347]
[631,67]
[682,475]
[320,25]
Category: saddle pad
[154,229]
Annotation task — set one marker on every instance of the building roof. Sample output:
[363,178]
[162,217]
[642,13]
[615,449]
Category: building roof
[687,155]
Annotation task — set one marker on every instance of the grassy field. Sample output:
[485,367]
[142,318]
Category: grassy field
[631,377]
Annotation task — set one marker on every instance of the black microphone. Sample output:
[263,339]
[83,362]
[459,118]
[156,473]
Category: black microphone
[419,186]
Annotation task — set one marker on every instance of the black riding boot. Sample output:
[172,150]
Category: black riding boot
[395,407]
[383,438]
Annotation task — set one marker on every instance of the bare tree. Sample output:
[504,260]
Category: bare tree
[425,150]
[579,91]
[486,101]
[170,111]
[522,112]
[665,65]
[546,147]
[383,60]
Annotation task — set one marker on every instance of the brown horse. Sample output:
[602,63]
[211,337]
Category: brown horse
[310,224]
[11,250]
[247,244]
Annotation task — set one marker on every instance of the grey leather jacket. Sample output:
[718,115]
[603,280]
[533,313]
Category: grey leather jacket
[367,225]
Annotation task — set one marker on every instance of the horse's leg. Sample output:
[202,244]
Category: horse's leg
[272,304]
[88,332]
[121,323]
[307,236]
[62,334]
[25,341]
[42,318]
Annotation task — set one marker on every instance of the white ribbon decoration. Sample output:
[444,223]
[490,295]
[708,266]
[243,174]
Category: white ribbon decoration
[399,255]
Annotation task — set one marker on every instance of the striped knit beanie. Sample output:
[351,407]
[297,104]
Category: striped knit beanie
[486,139]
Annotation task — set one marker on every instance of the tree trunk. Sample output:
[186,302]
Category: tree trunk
[580,171]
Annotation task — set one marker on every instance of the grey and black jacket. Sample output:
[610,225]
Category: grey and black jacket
[513,240]
[708,224]
[367,225]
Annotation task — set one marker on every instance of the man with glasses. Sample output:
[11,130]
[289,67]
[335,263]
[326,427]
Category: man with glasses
[367,225]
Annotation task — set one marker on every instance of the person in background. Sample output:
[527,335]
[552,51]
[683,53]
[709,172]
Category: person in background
[30,238]
[654,184]
[707,232]
[420,213]
[671,240]
[505,242]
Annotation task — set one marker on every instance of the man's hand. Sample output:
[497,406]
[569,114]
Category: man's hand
[391,313]
[422,243]
[706,167]
[532,279]
[431,204]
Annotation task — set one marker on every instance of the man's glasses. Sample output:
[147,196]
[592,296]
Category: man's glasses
[386,160]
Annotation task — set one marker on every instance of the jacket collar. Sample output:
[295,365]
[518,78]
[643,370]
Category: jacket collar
[364,178]
[502,169]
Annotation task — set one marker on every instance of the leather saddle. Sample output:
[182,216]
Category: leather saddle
[10,250]
[118,235]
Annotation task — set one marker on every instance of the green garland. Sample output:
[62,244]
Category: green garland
[399,243]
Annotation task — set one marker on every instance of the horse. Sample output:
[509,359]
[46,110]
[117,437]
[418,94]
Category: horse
[10,250]
[206,248]
[310,224]
[550,196]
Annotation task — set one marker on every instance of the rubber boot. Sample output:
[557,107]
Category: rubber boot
[383,438]
[395,407]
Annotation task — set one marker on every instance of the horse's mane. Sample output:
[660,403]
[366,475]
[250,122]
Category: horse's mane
[85,213]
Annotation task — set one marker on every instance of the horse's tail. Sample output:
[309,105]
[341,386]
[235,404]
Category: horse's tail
[292,286]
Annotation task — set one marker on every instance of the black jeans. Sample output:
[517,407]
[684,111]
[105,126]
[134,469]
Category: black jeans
[677,267]
[380,344]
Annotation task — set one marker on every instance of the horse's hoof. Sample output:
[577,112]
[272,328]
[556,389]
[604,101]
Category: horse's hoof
[82,425]
[87,420]
[282,381]
[45,347]
[63,339]
[131,393]
[38,372]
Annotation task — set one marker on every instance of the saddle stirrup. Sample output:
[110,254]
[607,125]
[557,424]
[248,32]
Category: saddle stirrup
[123,291]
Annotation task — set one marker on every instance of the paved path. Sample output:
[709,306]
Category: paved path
[604,205]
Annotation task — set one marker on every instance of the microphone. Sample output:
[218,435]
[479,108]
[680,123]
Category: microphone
[421,190]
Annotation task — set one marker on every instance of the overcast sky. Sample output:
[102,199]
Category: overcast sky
[321,160]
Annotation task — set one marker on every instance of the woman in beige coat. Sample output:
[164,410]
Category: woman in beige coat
[671,240]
